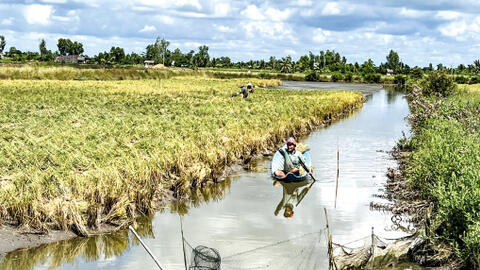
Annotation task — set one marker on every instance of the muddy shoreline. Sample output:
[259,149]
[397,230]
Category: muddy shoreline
[15,238]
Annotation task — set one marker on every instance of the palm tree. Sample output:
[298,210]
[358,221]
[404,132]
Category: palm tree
[286,64]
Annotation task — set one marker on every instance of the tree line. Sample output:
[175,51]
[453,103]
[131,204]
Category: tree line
[328,61]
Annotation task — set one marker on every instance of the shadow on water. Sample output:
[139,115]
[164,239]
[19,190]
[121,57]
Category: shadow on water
[244,216]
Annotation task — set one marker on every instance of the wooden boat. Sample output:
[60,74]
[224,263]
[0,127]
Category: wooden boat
[290,177]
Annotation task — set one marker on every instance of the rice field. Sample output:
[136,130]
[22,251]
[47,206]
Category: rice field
[78,154]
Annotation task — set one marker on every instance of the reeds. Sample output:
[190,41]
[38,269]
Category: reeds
[75,154]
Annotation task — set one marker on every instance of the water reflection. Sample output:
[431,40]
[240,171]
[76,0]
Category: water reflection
[95,248]
[291,196]
[213,192]
[106,246]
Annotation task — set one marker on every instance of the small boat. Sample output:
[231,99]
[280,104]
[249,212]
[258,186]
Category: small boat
[290,177]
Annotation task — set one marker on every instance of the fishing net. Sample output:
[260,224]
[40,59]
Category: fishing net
[358,253]
[205,258]
[302,252]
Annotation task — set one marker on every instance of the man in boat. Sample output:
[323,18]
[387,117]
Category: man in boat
[289,161]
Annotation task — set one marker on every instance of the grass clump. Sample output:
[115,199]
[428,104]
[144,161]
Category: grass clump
[445,167]
[76,154]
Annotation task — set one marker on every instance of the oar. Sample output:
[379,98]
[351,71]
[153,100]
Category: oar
[306,168]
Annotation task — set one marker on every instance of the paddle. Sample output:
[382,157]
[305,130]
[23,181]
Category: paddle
[306,168]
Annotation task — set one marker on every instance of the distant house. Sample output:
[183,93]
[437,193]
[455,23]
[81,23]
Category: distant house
[148,63]
[389,72]
[70,59]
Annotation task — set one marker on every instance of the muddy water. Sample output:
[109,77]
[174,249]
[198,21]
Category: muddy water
[243,217]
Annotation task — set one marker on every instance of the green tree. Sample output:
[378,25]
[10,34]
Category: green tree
[64,45]
[303,63]
[158,51]
[368,67]
[286,64]
[393,61]
[117,54]
[45,54]
[476,66]
[201,58]
[3,43]
[67,47]
[76,48]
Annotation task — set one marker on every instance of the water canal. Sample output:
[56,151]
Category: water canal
[238,218]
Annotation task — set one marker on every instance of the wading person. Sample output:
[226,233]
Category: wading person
[288,161]
[243,91]
[250,87]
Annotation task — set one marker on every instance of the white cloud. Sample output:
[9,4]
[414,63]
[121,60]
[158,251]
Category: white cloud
[454,29]
[331,8]
[268,30]
[165,19]
[166,4]
[449,15]
[221,9]
[412,13]
[303,3]
[224,29]
[290,52]
[38,14]
[8,21]
[148,28]
[277,15]
[320,35]
[61,18]
[252,12]
[54,1]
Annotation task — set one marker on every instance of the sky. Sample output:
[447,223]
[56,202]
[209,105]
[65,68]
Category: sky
[422,32]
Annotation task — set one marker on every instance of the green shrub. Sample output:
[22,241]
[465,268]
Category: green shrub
[438,83]
[312,76]
[337,77]
[348,77]
[445,168]
[372,78]
[400,80]
[474,80]
[461,79]
[416,73]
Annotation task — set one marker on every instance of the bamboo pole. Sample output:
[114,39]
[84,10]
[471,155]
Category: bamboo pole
[145,247]
[373,249]
[331,259]
[338,174]
[183,243]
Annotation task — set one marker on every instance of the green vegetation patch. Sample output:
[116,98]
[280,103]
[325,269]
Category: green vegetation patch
[445,168]
[76,154]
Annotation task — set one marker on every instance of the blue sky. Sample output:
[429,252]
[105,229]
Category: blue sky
[420,31]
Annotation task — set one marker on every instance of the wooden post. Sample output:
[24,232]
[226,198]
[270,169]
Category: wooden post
[145,247]
[183,243]
[338,173]
[331,259]
[373,249]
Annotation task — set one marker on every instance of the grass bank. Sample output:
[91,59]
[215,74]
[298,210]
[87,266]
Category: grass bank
[39,72]
[444,168]
[78,154]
